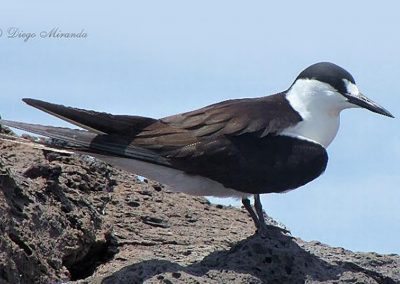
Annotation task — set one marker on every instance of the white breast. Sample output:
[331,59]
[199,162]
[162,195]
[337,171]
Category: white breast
[316,128]
[319,105]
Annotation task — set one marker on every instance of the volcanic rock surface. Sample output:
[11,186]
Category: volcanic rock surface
[70,218]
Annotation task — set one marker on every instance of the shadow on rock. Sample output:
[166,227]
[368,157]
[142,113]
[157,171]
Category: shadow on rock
[274,259]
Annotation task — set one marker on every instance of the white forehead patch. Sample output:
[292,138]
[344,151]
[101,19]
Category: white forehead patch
[351,88]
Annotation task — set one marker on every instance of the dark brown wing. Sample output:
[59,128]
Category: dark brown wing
[259,116]
[235,117]
[187,132]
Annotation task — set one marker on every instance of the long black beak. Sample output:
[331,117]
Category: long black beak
[364,102]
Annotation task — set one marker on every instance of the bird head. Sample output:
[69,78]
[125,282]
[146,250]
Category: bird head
[330,88]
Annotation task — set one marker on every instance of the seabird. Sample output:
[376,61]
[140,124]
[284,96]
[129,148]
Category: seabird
[235,148]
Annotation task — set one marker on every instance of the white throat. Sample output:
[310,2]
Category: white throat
[319,105]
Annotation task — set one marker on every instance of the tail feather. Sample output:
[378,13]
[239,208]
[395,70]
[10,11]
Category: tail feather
[74,136]
[107,144]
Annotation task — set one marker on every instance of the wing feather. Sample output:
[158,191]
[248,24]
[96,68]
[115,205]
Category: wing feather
[94,121]
[259,116]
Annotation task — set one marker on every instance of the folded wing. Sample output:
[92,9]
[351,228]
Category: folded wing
[211,142]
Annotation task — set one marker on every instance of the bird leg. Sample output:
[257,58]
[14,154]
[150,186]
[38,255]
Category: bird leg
[257,215]
[249,208]
[260,214]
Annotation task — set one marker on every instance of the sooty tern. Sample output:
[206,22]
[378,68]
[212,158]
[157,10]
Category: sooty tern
[235,148]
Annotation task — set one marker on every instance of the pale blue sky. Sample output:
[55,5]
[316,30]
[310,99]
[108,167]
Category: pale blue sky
[157,58]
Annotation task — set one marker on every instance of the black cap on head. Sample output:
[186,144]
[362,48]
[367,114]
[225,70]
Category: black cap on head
[328,73]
